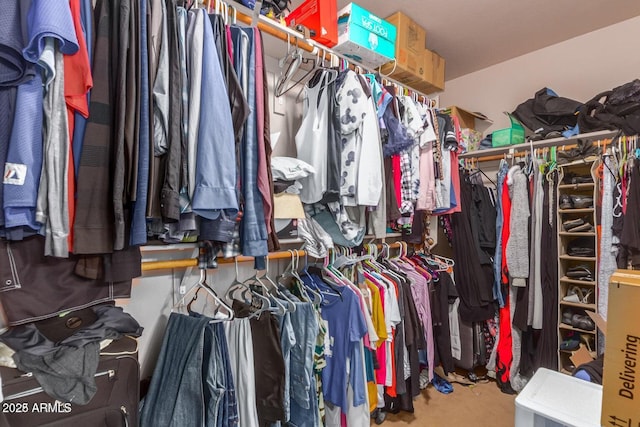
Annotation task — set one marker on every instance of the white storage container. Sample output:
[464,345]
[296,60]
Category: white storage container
[552,399]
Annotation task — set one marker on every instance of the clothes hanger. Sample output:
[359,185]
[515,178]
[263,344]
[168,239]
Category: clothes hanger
[317,296]
[292,60]
[202,284]
[236,286]
[290,307]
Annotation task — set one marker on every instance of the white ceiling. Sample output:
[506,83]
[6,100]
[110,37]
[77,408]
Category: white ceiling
[474,34]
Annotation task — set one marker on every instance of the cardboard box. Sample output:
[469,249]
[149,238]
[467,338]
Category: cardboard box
[621,379]
[365,37]
[318,16]
[434,67]
[408,68]
[410,36]
[467,119]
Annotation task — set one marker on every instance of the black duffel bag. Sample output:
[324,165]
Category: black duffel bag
[618,108]
[547,112]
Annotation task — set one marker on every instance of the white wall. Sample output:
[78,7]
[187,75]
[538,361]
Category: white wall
[578,68]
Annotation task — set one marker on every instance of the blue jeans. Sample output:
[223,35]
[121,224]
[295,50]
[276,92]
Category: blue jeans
[175,396]
[192,383]
[221,365]
[303,401]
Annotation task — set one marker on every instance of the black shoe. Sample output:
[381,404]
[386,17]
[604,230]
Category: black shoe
[566,202]
[581,202]
[572,223]
[584,228]
[580,272]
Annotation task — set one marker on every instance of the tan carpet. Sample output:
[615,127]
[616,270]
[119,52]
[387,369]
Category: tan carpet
[480,405]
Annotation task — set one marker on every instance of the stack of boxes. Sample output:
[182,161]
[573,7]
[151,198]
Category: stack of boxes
[415,65]
[396,43]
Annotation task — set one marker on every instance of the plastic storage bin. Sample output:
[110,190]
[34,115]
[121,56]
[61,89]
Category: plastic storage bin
[509,136]
[552,399]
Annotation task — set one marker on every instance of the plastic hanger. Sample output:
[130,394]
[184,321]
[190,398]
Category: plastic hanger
[290,307]
[202,284]
[237,285]
[292,61]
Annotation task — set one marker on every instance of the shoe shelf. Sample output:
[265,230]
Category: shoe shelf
[578,258]
[581,186]
[586,290]
[591,307]
[565,279]
[577,234]
[572,328]
[577,211]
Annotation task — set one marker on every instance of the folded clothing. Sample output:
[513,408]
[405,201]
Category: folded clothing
[290,168]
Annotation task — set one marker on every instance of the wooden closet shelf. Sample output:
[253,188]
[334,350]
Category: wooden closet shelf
[591,307]
[571,328]
[570,211]
[582,186]
[577,234]
[577,282]
[578,258]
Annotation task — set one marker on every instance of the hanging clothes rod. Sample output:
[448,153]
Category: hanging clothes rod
[498,153]
[279,31]
[193,262]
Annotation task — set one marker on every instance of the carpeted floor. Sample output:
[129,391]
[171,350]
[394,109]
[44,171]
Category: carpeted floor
[480,405]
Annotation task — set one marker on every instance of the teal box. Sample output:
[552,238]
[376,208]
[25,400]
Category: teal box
[365,37]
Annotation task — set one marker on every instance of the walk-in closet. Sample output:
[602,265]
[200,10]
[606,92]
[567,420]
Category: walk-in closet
[319,213]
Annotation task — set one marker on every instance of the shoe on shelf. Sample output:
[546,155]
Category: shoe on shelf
[584,228]
[574,178]
[578,295]
[572,223]
[579,272]
[571,342]
[582,321]
[567,315]
[581,246]
[581,202]
[566,202]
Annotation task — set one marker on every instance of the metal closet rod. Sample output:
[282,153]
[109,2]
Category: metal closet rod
[193,262]
[285,34]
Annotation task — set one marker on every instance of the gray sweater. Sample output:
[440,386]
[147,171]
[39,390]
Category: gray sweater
[518,243]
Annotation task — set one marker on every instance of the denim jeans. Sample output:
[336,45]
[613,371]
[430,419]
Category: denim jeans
[213,381]
[229,402]
[287,341]
[175,396]
[303,401]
